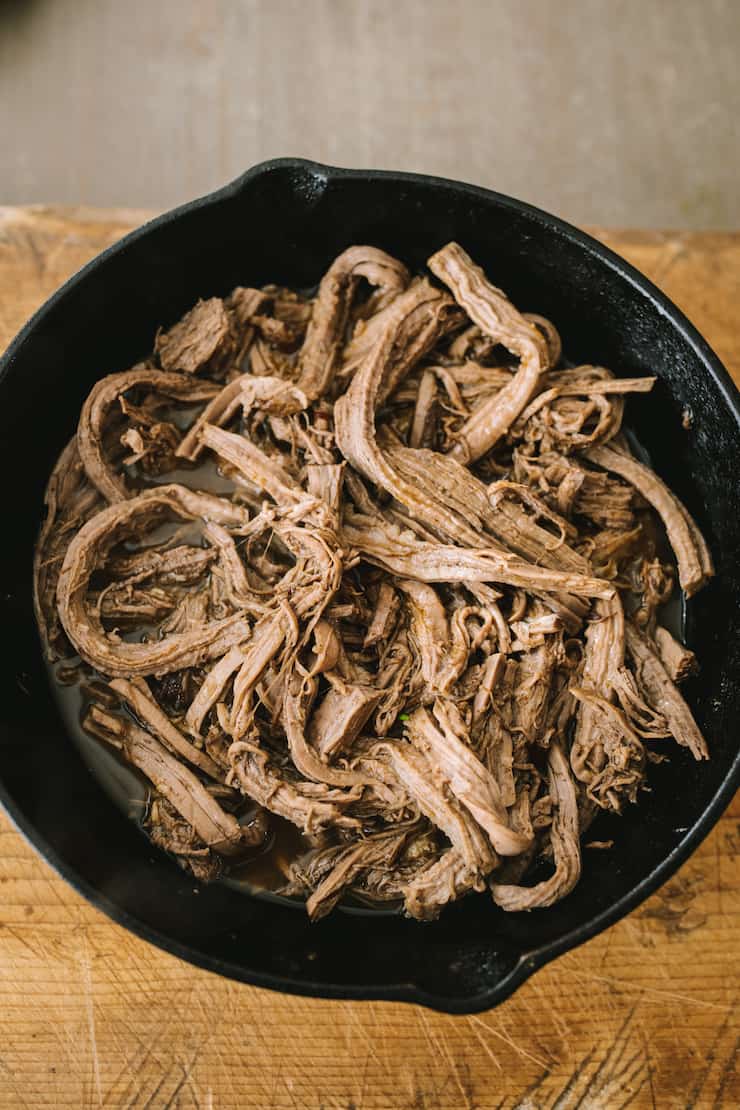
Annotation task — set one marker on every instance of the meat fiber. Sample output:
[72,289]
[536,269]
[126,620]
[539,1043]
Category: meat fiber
[692,554]
[90,431]
[564,839]
[324,341]
[495,315]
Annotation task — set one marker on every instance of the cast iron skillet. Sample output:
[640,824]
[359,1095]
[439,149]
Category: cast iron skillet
[285,221]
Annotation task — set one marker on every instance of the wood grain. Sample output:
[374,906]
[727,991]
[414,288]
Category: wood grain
[644,1015]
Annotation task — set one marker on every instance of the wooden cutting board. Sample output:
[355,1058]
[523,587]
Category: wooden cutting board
[643,1015]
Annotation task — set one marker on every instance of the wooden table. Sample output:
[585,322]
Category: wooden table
[643,1015]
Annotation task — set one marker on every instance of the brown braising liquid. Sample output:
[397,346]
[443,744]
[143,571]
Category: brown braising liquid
[263,870]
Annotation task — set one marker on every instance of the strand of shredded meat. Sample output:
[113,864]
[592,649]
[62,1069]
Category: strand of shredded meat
[375,565]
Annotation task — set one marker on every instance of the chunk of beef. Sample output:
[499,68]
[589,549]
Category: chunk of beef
[201,342]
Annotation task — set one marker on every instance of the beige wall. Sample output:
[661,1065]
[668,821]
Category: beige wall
[610,111]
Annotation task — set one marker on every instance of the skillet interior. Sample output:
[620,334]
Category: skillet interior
[285,221]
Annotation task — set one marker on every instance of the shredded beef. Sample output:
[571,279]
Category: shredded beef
[419,623]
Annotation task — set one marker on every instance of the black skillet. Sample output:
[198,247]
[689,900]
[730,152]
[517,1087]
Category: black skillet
[285,221]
